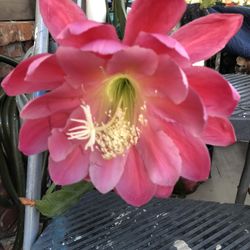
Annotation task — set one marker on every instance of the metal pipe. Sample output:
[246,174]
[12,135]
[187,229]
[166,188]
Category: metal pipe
[34,168]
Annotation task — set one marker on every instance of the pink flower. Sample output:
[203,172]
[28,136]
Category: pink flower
[131,115]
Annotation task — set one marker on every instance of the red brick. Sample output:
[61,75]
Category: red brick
[11,32]
[14,50]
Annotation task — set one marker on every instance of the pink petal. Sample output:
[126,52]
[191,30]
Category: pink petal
[163,44]
[71,170]
[160,156]
[205,36]
[79,114]
[133,60]
[168,81]
[193,152]
[40,69]
[80,67]
[15,83]
[60,137]
[61,99]
[219,97]
[135,186]
[103,46]
[218,131]
[57,14]
[105,174]
[152,17]
[190,113]
[80,34]
[33,137]
[163,192]
[59,145]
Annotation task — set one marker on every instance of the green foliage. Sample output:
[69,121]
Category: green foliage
[56,203]
[207,3]
[120,16]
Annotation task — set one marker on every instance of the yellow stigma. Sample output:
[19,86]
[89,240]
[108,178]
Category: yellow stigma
[121,130]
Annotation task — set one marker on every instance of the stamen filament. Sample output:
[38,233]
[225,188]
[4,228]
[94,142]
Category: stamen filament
[87,130]
[78,127]
[79,134]
[79,120]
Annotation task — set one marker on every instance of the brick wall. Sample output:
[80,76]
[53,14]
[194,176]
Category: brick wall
[15,39]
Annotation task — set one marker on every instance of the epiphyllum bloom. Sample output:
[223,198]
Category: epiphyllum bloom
[131,115]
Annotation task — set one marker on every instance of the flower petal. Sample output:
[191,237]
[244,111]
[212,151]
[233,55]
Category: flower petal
[33,137]
[80,67]
[80,34]
[59,145]
[61,137]
[40,69]
[160,156]
[61,99]
[219,97]
[71,170]
[133,60]
[163,191]
[219,132]
[190,113]
[168,81]
[103,46]
[135,186]
[105,174]
[15,83]
[163,44]
[205,36]
[152,17]
[194,154]
[57,14]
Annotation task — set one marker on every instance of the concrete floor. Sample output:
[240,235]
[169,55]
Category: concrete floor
[226,170]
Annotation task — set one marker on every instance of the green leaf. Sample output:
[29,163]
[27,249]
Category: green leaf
[51,188]
[120,15]
[56,203]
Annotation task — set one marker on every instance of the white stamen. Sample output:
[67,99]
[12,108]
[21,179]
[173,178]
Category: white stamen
[87,131]
[112,138]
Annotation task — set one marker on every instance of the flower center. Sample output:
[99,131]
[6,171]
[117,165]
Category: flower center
[121,92]
[122,124]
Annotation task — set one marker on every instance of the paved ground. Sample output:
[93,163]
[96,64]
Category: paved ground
[226,170]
